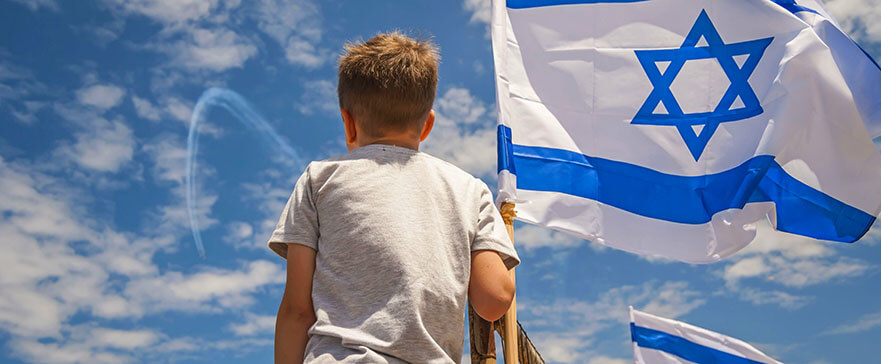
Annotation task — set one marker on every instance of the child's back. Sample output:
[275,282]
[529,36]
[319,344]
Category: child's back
[396,229]
[384,244]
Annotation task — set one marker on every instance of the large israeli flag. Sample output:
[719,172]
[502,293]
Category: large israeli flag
[658,340]
[670,127]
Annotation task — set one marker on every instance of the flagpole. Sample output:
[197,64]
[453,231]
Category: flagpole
[509,320]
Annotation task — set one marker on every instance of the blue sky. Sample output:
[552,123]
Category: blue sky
[99,264]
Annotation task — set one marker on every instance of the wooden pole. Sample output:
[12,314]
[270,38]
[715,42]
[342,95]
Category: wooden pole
[510,327]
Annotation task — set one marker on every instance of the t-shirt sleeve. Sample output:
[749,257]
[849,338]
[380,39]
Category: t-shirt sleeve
[298,223]
[491,232]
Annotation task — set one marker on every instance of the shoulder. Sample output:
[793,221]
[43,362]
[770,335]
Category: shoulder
[323,163]
[455,172]
[318,169]
[445,166]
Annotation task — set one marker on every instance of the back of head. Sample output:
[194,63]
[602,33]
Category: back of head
[388,82]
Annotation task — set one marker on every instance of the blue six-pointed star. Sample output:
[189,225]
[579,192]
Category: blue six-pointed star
[724,54]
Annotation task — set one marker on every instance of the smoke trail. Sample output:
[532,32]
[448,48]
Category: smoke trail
[236,105]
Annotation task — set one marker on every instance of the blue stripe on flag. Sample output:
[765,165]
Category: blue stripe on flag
[659,340]
[867,55]
[525,4]
[506,151]
[793,7]
[684,199]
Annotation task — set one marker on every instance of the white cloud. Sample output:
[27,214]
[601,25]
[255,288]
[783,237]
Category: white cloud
[59,262]
[61,353]
[480,10]
[271,200]
[863,323]
[175,108]
[608,360]
[668,299]
[179,344]
[103,33]
[481,13]
[296,27]
[208,290]
[458,104]
[88,343]
[169,156]
[790,260]
[464,134]
[35,5]
[122,339]
[319,96]
[241,345]
[197,35]
[531,237]
[100,96]
[28,115]
[179,109]
[29,313]
[302,52]
[145,109]
[771,297]
[18,82]
[254,325]
[33,213]
[106,148]
[746,268]
[216,49]
[560,348]
[43,280]
[241,235]
[860,18]
[565,329]
[803,273]
[240,230]
[873,236]
[171,11]
[653,258]
[173,218]
[21,91]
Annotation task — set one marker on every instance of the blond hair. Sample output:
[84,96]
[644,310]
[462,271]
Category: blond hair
[388,82]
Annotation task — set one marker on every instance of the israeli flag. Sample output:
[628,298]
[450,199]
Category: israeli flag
[669,127]
[658,340]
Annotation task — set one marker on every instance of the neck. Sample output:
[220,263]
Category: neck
[408,140]
[409,143]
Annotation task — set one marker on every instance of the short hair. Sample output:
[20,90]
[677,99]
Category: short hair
[388,82]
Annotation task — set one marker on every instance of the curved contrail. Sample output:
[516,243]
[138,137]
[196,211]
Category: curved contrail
[236,105]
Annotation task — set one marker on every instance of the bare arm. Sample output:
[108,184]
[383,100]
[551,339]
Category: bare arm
[295,314]
[490,288]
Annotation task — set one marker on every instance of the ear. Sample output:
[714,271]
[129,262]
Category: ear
[349,125]
[429,123]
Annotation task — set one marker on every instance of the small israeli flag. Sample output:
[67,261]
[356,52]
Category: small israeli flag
[669,127]
[658,340]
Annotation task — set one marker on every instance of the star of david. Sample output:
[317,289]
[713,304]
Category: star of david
[696,141]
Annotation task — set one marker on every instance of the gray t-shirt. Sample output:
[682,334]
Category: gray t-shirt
[394,229]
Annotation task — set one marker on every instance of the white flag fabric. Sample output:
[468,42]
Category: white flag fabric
[658,340]
[669,127]
[859,69]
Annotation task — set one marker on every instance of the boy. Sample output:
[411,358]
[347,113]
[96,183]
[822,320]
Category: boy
[384,243]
